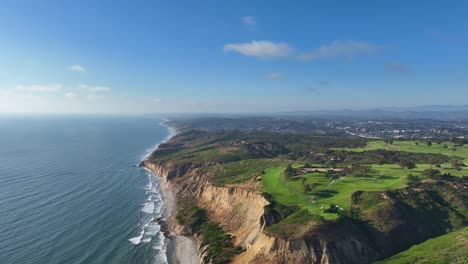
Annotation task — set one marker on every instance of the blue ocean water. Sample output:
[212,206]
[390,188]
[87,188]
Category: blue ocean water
[70,193]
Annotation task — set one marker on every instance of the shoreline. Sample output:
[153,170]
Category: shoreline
[185,249]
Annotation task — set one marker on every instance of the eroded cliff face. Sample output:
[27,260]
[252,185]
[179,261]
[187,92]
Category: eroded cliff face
[309,249]
[241,212]
[238,210]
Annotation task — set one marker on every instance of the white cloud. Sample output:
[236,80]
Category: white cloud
[95,89]
[339,49]
[77,68]
[269,50]
[71,95]
[261,49]
[273,75]
[48,88]
[157,100]
[249,22]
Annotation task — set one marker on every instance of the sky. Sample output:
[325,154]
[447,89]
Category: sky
[230,56]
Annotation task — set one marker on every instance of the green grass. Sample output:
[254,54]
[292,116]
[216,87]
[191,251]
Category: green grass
[411,146]
[294,225]
[290,192]
[449,248]
[241,171]
[339,193]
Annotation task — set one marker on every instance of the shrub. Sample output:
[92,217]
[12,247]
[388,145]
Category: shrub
[431,173]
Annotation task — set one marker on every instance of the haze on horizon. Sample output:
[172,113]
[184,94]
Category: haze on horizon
[240,56]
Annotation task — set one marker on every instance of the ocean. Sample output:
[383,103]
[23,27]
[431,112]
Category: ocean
[70,191]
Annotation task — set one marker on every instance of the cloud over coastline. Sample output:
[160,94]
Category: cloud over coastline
[265,49]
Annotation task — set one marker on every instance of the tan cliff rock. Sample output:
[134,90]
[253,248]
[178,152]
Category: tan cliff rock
[241,212]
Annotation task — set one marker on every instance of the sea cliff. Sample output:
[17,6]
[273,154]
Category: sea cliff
[241,213]
[194,166]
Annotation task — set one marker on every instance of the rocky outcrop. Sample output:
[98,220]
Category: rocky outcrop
[309,249]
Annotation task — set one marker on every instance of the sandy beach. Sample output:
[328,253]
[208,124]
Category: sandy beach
[185,248]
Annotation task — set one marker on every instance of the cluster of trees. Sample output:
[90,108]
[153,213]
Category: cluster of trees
[457,164]
[431,173]
[412,178]
[220,244]
[381,156]
[289,172]
[404,163]
[360,170]
[332,209]
[459,141]
[308,187]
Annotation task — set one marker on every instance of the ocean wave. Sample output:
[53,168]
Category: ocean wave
[149,151]
[137,240]
[150,232]
[148,208]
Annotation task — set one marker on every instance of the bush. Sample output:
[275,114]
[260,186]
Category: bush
[407,164]
[412,178]
[360,169]
[431,173]
[220,247]
[333,209]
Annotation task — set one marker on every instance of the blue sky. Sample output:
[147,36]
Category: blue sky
[230,56]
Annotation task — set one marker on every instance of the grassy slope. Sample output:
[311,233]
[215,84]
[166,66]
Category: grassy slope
[242,171]
[449,248]
[410,146]
[246,162]
[339,193]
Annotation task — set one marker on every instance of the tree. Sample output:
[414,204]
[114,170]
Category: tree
[360,170]
[445,146]
[412,178]
[303,180]
[330,173]
[332,209]
[431,173]
[407,164]
[457,165]
[306,188]
[390,141]
[435,162]
[313,185]
[429,143]
[307,165]
[288,172]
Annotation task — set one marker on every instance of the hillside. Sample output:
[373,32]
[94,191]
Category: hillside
[256,196]
[449,248]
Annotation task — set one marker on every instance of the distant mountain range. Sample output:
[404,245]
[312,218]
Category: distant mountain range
[440,112]
[437,112]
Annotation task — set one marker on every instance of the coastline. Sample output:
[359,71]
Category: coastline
[185,249]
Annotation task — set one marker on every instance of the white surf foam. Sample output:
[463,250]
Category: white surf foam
[148,208]
[150,230]
[137,240]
